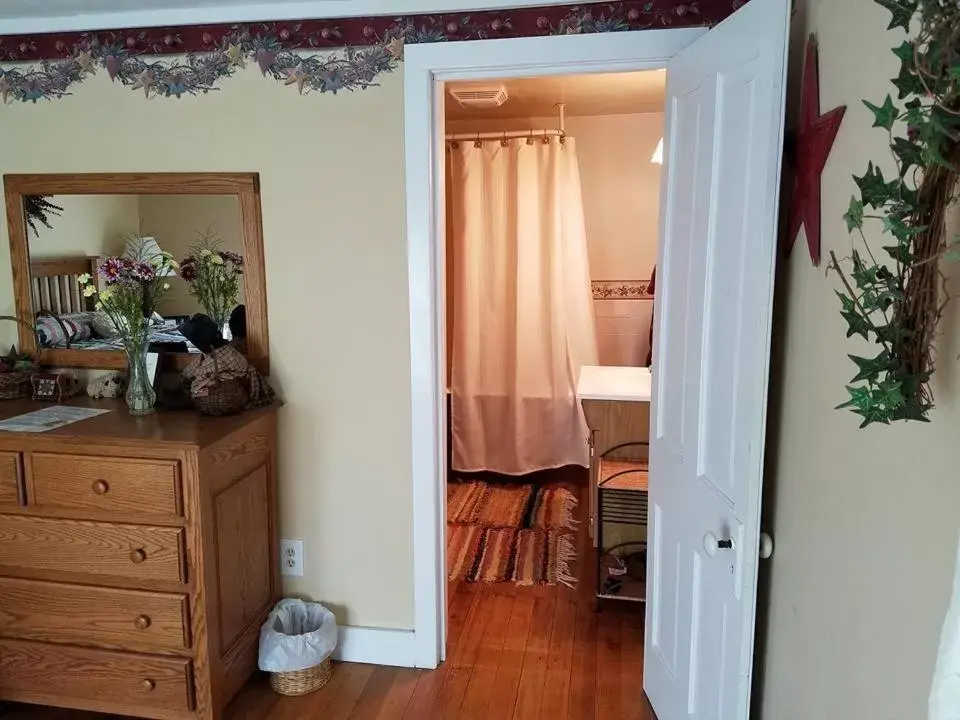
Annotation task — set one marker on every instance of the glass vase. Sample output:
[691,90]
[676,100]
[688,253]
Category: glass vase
[140,396]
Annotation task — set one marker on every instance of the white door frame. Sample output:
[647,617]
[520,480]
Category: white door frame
[425,67]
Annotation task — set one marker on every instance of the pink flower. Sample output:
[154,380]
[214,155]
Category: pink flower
[188,269]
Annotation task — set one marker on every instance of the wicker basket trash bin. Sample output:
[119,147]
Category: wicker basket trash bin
[296,643]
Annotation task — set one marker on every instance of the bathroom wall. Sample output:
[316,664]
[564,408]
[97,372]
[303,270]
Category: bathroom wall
[621,196]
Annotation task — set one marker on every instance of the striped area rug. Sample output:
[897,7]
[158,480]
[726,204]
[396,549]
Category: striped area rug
[511,533]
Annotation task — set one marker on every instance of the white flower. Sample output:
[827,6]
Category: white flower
[84,279]
[166,286]
[206,252]
[98,306]
[217,260]
[106,294]
[174,264]
[89,291]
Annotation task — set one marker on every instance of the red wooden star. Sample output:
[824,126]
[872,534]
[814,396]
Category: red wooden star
[813,145]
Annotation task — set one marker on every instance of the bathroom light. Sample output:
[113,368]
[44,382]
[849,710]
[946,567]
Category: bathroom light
[658,154]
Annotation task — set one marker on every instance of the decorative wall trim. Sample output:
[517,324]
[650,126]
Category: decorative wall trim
[314,55]
[621,290]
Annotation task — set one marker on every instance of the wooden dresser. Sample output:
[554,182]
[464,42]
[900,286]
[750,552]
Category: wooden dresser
[138,559]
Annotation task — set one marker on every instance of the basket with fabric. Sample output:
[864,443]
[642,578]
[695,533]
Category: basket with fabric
[223,382]
[15,383]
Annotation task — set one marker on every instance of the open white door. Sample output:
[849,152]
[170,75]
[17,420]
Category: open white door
[724,127]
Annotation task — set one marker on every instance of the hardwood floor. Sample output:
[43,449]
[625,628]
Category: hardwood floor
[521,653]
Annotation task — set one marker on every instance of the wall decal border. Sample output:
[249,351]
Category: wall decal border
[316,56]
[621,290]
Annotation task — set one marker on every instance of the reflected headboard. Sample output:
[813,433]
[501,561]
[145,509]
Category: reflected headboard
[54,288]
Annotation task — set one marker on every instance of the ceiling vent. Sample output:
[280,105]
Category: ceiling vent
[480,97]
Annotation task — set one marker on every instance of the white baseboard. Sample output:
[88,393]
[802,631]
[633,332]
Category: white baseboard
[376,646]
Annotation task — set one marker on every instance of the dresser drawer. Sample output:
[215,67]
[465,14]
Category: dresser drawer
[127,619]
[136,552]
[11,479]
[118,485]
[29,669]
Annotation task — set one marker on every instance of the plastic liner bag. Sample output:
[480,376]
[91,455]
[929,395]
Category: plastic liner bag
[297,635]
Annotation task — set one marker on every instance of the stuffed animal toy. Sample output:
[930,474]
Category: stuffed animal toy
[110,385]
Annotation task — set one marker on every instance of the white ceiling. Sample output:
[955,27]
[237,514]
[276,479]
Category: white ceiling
[39,16]
[597,94]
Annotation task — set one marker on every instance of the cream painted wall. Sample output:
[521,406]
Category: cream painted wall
[331,171]
[89,225]
[866,521]
[176,221]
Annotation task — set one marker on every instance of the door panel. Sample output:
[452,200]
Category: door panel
[725,96]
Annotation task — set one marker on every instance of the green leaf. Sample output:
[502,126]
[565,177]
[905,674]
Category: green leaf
[859,398]
[845,302]
[854,214]
[909,154]
[864,275]
[902,12]
[899,229]
[856,324]
[905,51]
[884,116]
[874,189]
[900,253]
[889,394]
[869,369]
[907,83]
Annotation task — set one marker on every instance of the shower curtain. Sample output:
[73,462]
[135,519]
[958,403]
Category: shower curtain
[522,315]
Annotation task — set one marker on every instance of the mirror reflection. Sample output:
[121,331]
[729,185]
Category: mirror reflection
[186,251]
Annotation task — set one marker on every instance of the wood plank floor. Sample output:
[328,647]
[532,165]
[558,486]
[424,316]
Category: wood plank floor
[520,653]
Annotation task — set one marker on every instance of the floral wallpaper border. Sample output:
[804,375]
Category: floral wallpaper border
[323,56]
[621,290]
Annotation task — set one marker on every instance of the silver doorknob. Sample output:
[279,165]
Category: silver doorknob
[712,544]
[766,546]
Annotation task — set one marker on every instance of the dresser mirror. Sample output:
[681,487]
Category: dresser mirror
[63,229]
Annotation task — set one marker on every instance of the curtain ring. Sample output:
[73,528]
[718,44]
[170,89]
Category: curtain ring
[454,145]
[530,137]
[503,141]
[477,143]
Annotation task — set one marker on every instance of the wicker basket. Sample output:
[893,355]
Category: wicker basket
[225,397]
[301,682]
[15,385]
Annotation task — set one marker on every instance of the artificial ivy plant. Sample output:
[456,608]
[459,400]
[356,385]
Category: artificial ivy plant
[894,295]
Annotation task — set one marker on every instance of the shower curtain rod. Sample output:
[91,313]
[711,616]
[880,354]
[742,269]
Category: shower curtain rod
[516,134]
[507,135]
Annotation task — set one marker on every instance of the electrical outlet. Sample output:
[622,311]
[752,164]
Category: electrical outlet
[291,557]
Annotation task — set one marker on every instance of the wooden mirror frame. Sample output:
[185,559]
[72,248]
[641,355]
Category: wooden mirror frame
[245,186]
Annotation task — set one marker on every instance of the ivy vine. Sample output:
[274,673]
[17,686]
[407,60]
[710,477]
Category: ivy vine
[894,296]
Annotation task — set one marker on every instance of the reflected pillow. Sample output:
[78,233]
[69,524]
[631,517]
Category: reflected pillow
[103,326]
[56,332]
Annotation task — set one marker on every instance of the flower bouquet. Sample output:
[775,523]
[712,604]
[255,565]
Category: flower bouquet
[214,277]
[130,288]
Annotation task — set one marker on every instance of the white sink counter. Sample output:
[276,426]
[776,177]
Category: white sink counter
[632,384]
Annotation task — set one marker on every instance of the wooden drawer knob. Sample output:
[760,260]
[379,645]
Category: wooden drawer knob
[148,684]
[100,487]
[142,622]
[138,556]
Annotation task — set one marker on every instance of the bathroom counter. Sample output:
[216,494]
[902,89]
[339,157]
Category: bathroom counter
[629,384]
